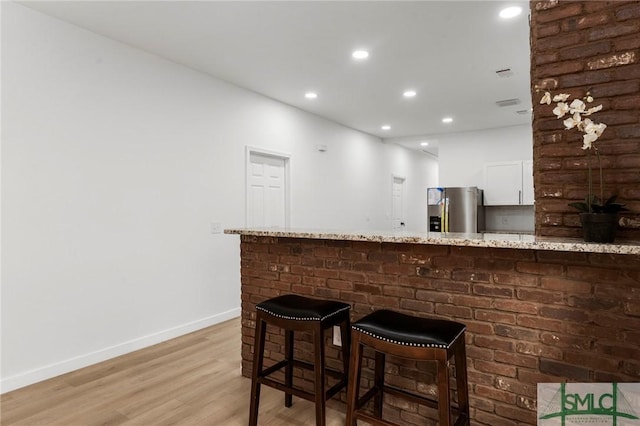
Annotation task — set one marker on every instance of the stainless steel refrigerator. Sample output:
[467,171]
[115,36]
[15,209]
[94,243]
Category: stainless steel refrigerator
[455,209]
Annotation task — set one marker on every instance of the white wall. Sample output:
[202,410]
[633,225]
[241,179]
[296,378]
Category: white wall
[462,156]
[115,161]
[360,174]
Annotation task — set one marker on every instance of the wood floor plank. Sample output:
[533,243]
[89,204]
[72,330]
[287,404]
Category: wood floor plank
[192,380]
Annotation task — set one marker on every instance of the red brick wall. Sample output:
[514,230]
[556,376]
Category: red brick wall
[532,316]
[580,46]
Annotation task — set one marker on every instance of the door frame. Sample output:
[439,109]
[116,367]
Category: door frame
[287,179]
[403,201]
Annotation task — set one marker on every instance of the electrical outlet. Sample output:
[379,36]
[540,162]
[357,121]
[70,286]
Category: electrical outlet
[216,227]
[337,337]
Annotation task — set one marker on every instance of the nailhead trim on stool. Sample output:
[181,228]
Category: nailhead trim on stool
[287,317]
[418,345]
[419,339]
[298,313]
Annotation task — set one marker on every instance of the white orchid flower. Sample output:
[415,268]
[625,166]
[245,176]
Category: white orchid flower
[588,139]
[577,106]
[592,128]
[577,109]
[600,128]
[561,109]
[592,110]
[584,124]
[572,122]
[546,99]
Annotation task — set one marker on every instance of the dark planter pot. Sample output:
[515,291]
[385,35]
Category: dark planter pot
[599,227]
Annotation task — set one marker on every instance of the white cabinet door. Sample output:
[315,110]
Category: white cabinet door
[508,183]
[503,183]
[527,183]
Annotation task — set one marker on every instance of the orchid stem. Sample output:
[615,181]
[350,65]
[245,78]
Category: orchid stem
[601,180]
[590,198]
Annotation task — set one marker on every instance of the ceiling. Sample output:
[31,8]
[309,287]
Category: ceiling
[447,51]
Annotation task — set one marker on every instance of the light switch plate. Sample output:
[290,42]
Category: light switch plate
[216,228]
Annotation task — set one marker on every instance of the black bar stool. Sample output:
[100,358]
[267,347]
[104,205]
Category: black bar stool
[406,336]
[298,313]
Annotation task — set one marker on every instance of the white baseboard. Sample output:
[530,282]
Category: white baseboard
[33,376]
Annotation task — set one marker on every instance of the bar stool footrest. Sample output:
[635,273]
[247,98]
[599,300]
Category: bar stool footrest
[275,367]
[335,389]
[424,401]
[361,402]
[462,420]
[308,366]
[284,388]
[299,392]
[411,396]
[300,364]
[371,419]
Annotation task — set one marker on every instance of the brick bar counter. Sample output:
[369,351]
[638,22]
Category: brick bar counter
[537,309]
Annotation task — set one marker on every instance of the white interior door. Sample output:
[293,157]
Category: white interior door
[397,203]
[266,191]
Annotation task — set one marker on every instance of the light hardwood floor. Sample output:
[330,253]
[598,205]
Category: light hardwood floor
[191,380]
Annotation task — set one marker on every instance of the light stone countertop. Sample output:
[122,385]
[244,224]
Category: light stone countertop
[487,240]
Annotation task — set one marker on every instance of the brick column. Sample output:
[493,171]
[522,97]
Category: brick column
[580,46]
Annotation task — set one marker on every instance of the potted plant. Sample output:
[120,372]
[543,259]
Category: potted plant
[598,216]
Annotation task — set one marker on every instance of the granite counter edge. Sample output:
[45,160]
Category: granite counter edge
[509,241]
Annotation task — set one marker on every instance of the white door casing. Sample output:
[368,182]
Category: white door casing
[397,202]
[267,188]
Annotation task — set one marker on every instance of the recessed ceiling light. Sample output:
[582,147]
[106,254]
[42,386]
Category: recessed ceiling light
[409,93]
[386,127]
[360,54]
[424,143]
[510,12]
[447,120]
[311,95]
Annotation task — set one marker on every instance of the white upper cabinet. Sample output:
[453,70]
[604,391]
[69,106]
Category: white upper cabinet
[508,183]
[527,183]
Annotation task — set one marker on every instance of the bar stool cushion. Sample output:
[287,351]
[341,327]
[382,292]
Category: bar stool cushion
[294,307]
[407,330]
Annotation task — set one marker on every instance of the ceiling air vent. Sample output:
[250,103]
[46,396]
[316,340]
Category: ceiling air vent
[504,73]
[523,111]
[508,102]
